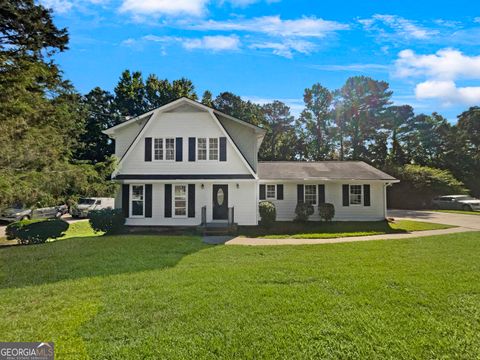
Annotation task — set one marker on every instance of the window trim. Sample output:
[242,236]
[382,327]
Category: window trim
[218,149]
[131,201]
[173,202]
[350,195]
[207,139]
[275,192]
[164,148]
[305,193]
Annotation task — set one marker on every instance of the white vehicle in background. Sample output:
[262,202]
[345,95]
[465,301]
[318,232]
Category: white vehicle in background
[85,205]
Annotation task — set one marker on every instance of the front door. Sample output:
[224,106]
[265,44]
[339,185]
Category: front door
[220,202]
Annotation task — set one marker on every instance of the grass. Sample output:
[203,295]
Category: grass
[136,297]
[317,230]
[459,212]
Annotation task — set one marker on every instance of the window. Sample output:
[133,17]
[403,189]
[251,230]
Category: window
[180,200]
[137,200]
[170,149]
[213,149]
[158,149]
[311,194]
[271,191]
[202,149]
[355,194]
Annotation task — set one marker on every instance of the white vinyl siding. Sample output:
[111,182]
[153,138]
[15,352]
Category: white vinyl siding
[333,194]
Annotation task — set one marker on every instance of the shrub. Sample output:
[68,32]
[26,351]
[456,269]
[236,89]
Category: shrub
[36,231]
[110,221]
[419,185]
[326,211]
[268,213]
[303,212]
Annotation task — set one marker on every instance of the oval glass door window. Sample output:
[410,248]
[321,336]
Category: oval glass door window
[220,196]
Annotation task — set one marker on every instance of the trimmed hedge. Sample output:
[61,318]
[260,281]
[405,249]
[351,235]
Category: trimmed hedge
[268,213]
[36,231]
[326,211]
[109,221]
[303,212]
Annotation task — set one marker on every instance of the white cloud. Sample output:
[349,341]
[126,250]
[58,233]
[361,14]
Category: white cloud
[164,7]
[287,47]
[447,64]
[64,6]
[274,25]
[448,92]
[58,6]
[212,43]
[441,71]
[388,26]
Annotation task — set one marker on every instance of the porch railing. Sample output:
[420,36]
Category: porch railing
[204,215]
[231,216]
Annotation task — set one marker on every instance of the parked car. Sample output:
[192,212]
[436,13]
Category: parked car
[16,213]
[85,205]
[456,202]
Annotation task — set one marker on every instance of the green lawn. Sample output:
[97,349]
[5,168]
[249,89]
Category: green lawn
[459,212]
[136,297]
[318,230]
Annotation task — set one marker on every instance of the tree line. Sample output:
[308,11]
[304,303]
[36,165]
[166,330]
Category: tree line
[53,147]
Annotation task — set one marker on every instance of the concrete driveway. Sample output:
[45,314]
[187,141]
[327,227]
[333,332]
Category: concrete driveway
[465,221]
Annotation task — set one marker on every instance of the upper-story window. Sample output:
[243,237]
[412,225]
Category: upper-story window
[202,149]
[207,148]
[213,149]
[164,149]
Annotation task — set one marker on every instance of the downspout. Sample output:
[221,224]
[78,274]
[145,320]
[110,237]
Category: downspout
[385,198]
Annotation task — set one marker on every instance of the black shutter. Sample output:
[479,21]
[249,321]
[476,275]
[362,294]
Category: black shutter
[346,195]
[300,193]
[191,200]
[279,192]
[366,195]
[223,149]
[148,200]
[126,200]
[148,149]
[262,192]
[191,149]
[179,149]
[321,194]
[168,200]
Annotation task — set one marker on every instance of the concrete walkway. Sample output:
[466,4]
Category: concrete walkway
[415,234]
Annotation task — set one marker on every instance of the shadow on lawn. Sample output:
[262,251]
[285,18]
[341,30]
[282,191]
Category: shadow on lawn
[92,256]
[314,227]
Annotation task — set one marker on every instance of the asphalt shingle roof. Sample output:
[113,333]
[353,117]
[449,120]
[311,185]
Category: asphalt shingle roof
[319,170]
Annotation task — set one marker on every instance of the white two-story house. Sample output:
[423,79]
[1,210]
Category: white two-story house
[185,164]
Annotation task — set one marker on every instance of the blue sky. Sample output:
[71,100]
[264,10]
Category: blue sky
[273,49]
